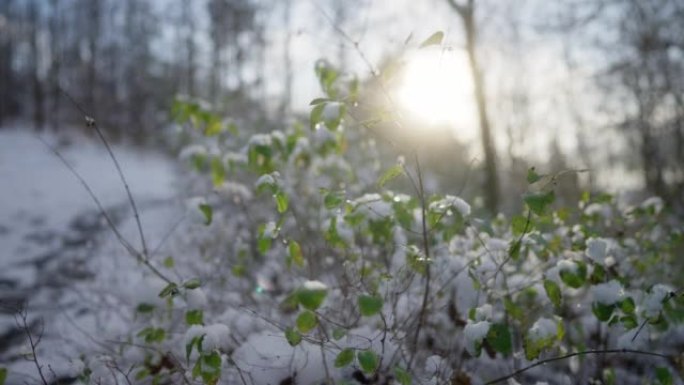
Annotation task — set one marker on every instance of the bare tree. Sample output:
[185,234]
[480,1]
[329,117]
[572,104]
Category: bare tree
[466,11]
[36,81]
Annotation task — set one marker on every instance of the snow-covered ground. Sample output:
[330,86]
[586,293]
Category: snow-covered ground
[57,255]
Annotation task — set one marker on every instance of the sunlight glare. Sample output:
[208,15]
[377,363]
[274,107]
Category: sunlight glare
[437,89]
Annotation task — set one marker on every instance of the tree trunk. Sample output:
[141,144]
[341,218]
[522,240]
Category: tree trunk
[55,65]
[491,188]
[38,96]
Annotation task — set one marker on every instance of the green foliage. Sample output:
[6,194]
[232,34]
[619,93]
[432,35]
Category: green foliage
[194,317]
[293,337]
[306,321]
[500,339]
[208,213]
[368,360]
[553,291]
[402,376]
[390,174]
[539,202]
[311,299]
[369,305]
[152,335]
[344,358]
[3,376]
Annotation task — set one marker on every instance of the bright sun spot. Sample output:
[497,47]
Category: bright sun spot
[437,89]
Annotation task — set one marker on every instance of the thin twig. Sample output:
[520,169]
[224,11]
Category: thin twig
[582,353]
[91,122]
[33,344]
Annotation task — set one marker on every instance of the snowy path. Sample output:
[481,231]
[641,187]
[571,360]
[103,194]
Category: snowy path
[56,252]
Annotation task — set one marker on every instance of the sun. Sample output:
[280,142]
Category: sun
[436,89]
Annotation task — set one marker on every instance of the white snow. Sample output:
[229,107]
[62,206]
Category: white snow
[655,203]
[196,299]
[474,333]
[315,285]
[189,152]
[596,249]
[653,302]
[217,336]
[449,202]
[543,328]
[608,293]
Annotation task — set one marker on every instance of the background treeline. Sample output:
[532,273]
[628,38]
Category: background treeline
[612,99]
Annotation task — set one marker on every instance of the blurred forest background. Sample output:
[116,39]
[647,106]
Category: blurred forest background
[570,84]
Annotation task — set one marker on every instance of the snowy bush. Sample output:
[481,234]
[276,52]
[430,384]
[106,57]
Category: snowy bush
[309,269]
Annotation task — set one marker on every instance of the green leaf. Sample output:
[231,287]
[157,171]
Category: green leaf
[532,176]
[390,174]
[345,358]
[514,250]
[434,39]
[369,305]
[214,127]
[316,115]
[538,202]
[145,308]
[3,375]
[333,199]
[664,376]
[293,337]
[553,291]
[601,311]
[208,213]
[338,333]
[168,262]
[629,321]
[319,101]
[212,360]
[402,375]
[151,335]
[138,375]
[575,279]
[499,337]
[627,305]
[311,298]
[295,254]
[192,284]
[194,317]
[218,172]
[368,360]
[282,201]
[514,310]
[306,321]
[519,225]
[170,290]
